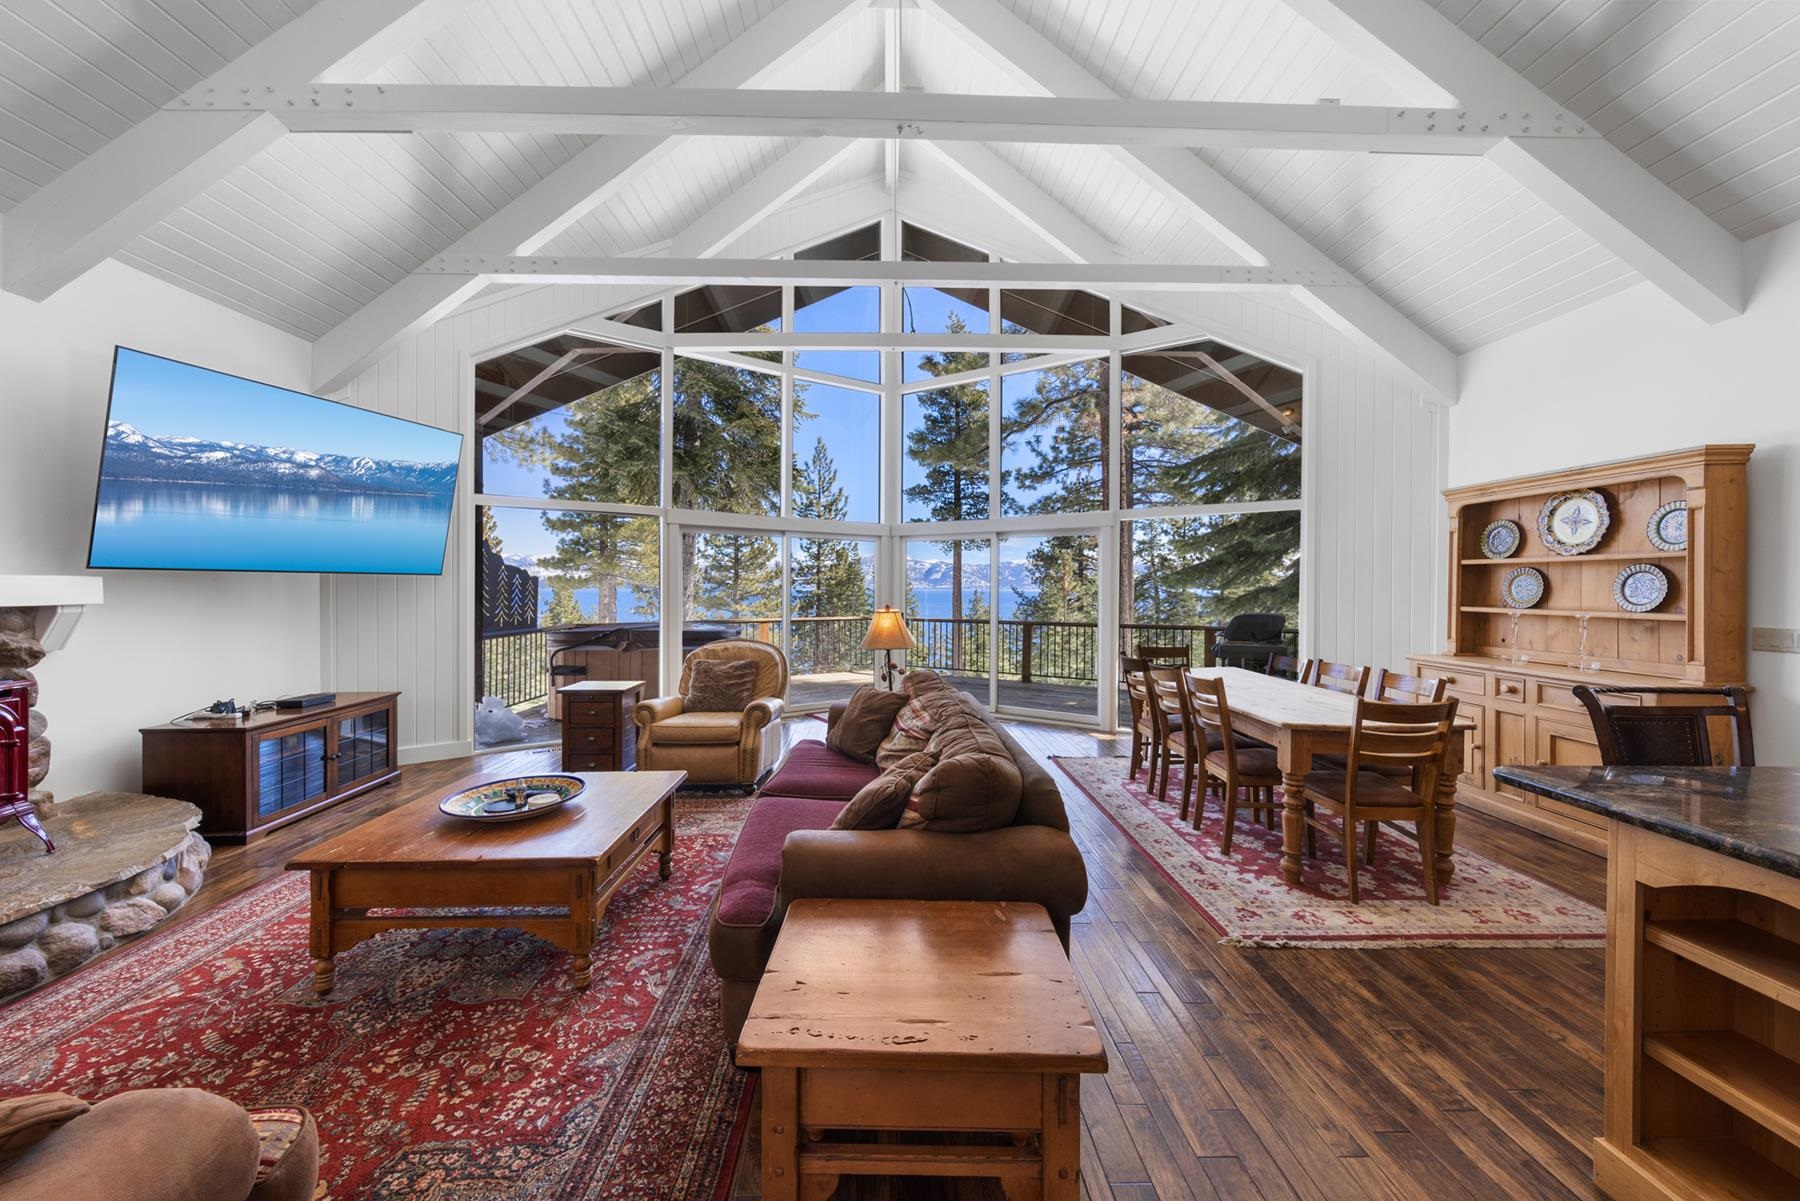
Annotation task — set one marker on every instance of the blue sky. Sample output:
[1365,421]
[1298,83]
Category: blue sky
[165,398]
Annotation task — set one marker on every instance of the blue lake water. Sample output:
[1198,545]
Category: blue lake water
[193,526]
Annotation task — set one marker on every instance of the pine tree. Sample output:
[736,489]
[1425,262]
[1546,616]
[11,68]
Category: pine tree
[737,578]
[564,609]
[951,445]
[1057,437]
[826,574]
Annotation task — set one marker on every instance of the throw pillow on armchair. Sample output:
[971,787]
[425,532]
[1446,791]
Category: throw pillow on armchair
[720,686]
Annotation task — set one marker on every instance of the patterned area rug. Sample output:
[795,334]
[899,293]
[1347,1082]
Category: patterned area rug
[1244,897]
[447,1063]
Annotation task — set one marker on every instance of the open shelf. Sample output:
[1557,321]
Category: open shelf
[1592,616]
[1593,556]
[1721,1167]
[1759,1083]
[1754,958]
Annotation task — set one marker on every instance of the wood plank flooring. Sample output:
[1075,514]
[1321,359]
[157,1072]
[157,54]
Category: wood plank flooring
[1280,1075]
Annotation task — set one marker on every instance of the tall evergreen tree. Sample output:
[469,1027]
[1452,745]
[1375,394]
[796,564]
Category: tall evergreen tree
[736,577]
[564,609]
[826,574]
[950,445]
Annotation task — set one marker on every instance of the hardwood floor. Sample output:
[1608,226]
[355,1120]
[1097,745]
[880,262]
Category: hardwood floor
[1285,1075]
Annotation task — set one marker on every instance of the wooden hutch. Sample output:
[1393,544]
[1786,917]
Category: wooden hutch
[1523,707]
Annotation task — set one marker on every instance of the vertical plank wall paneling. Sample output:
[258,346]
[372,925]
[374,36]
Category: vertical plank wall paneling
[1375,449]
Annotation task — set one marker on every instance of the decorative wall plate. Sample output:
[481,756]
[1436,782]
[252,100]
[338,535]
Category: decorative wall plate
[1523,588]
[1640,587]
[510,800]
[1501,539]
[1572,523]
[1668,527]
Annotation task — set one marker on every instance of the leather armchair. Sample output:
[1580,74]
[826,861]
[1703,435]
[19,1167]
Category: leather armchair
[717,748]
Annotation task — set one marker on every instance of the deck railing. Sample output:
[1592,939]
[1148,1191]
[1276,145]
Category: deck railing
[1056,652]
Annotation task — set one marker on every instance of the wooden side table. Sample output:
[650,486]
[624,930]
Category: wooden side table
[598,733]
[956,1016]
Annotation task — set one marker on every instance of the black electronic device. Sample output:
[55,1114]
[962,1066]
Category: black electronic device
[310,700]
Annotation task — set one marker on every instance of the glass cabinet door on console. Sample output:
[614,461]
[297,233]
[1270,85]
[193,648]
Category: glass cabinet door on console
[362,747]
[290,770]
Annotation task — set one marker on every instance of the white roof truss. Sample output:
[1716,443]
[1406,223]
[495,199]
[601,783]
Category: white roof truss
[91,211]
[1592,183]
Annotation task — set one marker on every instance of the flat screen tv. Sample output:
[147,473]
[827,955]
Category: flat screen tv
[203,471]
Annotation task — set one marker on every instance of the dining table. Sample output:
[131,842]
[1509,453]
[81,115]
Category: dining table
[1304,721]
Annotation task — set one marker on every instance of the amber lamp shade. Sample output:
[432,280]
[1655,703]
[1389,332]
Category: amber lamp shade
[887,634]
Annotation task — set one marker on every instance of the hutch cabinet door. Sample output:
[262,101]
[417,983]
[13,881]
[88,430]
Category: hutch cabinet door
[290,771]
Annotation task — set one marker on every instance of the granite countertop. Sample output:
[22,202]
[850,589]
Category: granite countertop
[1748,813]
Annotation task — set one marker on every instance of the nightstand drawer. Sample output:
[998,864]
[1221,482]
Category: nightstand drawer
[590,713]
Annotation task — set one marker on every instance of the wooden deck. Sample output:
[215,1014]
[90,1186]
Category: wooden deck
[1258,1075]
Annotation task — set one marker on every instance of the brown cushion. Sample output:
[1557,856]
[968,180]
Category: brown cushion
[975,785]
[881,801]
[912,731]
[288,1167]
[1372,790]
[160,1144]
[25,1121]
[704,728]
[1253,763]
[868,719]
[720,686]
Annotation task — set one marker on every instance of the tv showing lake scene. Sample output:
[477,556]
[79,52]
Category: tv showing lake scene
[203,471]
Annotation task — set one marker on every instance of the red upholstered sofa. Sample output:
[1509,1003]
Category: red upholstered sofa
[786,851]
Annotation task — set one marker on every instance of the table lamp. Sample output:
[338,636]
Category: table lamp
[888,633]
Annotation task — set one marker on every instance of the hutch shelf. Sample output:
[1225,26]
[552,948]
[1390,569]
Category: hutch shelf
[1519,693]
[250,777]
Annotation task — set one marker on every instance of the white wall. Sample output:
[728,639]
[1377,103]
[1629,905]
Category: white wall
[164,642]
[1632,374]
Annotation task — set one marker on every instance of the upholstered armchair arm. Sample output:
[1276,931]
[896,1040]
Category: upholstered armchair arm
[762,712]
[649,712]
[1014,863]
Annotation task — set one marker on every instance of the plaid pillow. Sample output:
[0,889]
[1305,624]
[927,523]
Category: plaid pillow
[912,730]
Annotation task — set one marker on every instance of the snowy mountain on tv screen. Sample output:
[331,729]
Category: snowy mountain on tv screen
[133,455]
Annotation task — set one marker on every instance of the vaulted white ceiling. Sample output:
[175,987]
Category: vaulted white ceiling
[315,227]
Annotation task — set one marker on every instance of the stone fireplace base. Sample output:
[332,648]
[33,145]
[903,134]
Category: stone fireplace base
[124,862]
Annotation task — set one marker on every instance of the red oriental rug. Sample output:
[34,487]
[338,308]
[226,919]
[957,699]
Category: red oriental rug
[447,1063]
[1244,897]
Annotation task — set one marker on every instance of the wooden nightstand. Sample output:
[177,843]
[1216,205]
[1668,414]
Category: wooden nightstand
[598,733]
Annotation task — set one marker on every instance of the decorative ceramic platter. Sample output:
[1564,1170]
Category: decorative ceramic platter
[510,800]
[1640,587]
[1668,527]
[1522,588]
[1572,523]
[1501,539]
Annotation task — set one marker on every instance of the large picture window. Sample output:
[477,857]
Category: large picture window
[1047,490]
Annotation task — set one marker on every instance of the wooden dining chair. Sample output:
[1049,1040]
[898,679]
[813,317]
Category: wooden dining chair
[1136,674]
[1340,677]
[1407,690]
[1248,771]
[1171,656]
[1289,668]
[1667,735]
[1413,738]
[1168,695]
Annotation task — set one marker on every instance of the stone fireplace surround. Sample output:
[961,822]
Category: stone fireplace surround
[124,861]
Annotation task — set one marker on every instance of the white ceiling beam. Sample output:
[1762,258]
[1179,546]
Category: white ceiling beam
[1598,187]
[563,197]
[1158,277]
[99,205]
[1220,205]
[773,187]
[488,108]
[1024,201]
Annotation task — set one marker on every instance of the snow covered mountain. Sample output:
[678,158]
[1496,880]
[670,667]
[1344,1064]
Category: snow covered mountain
[134,455]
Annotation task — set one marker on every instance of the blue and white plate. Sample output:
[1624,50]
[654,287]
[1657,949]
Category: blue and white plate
[1668,527]
[1572,523]
[1523,588]
[1640,587]
[1501,539]
[511,800]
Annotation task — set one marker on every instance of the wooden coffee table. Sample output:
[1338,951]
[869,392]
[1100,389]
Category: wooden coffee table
[561,868]
[920,1016]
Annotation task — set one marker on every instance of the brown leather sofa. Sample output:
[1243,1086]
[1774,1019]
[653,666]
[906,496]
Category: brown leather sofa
[785,851]
[159,1144]
[717,748]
